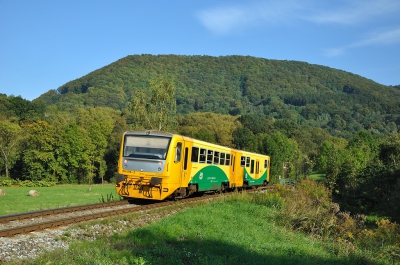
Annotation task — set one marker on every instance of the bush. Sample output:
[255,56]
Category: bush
[309,209]
[7,182]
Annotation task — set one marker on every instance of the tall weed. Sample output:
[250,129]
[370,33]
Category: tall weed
[268,199]
[309,209]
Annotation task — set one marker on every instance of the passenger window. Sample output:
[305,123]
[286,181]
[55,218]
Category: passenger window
[202,155]
[216,157]
[210,156]
[195,154]
[222,159]
[228,159]
[242,161]
[266,163]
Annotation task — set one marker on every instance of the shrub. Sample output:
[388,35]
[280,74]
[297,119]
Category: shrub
[309,209]
[7,182]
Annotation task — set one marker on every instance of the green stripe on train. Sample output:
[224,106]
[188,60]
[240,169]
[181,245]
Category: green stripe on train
[251,181]
[209,178]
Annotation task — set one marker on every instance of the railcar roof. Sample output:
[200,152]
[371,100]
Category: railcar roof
[167,134]
[149,132]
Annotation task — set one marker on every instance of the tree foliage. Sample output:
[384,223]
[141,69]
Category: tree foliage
[313,95]
[159,111]
[215,128]
[10,138]
[284,154]
[306,117]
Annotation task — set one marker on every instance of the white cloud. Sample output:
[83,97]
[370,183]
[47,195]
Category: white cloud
[362,14]
[333,52]
[225,19]
[354,11]
[378,39]
[222,20]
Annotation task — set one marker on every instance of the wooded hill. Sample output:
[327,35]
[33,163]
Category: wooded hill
[302,93]
[307,117]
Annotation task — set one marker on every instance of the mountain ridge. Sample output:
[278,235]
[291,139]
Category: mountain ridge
[237,85]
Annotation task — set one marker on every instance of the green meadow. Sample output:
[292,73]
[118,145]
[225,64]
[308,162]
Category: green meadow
[227,231]
[285,226]
[17,200]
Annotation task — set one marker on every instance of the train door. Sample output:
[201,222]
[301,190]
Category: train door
[187,164]
[232,177]
[176,165]
[237,171]
[257,173]
[182,163]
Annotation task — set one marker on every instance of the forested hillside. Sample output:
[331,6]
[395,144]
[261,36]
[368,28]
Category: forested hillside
[307,117]
[302,93]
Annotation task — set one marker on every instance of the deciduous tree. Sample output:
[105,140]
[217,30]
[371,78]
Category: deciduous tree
[159,111]
[10,138]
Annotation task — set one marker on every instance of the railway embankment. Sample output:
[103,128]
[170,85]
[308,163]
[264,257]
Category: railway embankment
[277,226]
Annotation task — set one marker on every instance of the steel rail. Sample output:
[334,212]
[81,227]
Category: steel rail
[43,213]
[9,232]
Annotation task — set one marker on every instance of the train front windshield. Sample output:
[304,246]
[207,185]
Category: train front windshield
[149,147]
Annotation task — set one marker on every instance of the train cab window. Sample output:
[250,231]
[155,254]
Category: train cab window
[178,151]
[266,163]
[252,167]
[222,159]
[242,161]
[228,159]
[140,146]
[210,156]
[247,161]
[203,155]
[216,157]
[195,154]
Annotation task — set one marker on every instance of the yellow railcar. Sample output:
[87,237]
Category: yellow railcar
[159,165]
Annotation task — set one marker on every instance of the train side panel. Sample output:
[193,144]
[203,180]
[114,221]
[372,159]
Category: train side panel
[210,166]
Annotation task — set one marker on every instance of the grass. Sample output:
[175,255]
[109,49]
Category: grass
[319,176]
[236,230]
[17,200]
[264,228]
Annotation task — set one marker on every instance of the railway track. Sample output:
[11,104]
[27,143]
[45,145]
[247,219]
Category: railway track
[24,223]
[36,221]
[63,210]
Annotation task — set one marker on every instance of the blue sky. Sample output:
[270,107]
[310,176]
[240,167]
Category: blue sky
[46,43]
